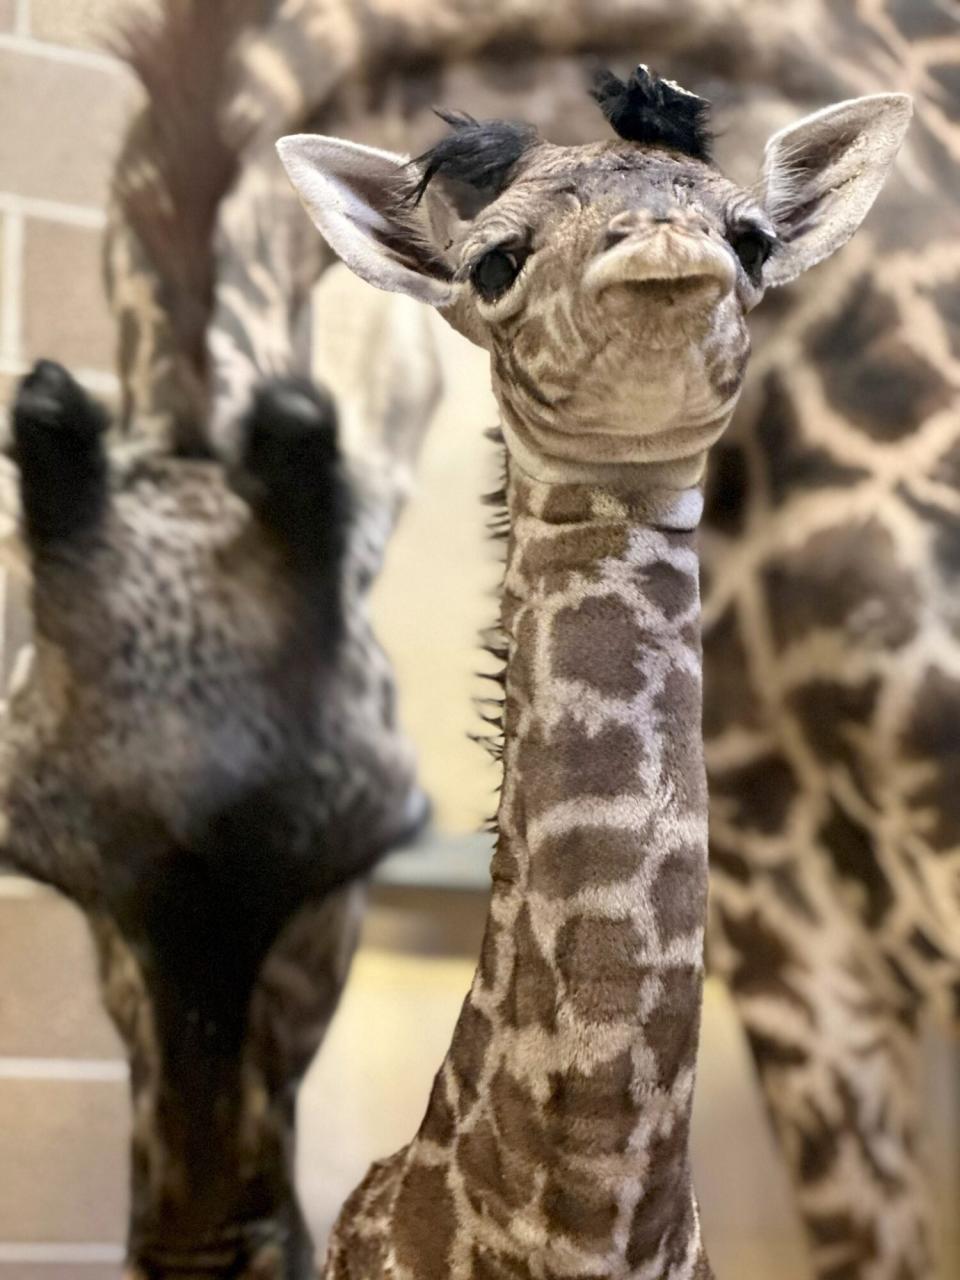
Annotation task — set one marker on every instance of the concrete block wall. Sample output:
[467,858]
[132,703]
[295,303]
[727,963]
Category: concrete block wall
[63,101]
[63,1108]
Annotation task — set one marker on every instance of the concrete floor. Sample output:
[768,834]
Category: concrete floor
[64,1111]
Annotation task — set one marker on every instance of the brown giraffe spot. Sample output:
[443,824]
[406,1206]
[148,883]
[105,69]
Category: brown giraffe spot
[504,866]
[925,947]
[946,297]
[509,63]
[664,1217]
[726,373]
[948,75]
[854,1240]
[574,1204]
[846,577]
[417,93]
[517,1118]
[529,338]
[946,546]
[771,1053]
[922,21]
[679,705]
[568,504]
[691,637]
[471,1039]
[850,849]
[577,550]
[592,1112]
[671,589]
[531,996]
[672,1027]
[860,1127]
[486,1265]
[762,792]
[728,861]
[563,864]
[496,1182]
[764,961]
[679,895]
[729,697]
[934,730]
[727,492]
[573,764]
[423,1221]
[490,953]
[904,981]
[790,462]
[933,735]
[785,882]
[941,801]
[870,374]
[439,1123]
[818,1144]
[598,962]
[599,642]
[827,710]
[520,681]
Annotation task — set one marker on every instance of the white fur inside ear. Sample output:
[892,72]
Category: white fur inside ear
[821,176]
[350,193]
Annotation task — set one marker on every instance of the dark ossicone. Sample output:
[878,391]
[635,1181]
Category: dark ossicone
[478,153]
[654,111]
[58,446]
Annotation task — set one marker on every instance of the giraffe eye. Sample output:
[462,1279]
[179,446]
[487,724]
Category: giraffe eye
[753,247]
[495,272]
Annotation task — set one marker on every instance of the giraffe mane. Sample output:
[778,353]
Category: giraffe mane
[180,158]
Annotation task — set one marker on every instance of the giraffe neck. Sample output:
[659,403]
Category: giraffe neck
[565,1100]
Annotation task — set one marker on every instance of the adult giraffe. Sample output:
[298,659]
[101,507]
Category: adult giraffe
[204,754]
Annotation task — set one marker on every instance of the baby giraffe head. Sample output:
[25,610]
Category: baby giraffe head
[610,282]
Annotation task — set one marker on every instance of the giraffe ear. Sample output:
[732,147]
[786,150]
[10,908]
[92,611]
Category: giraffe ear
[821,175]
[358,198]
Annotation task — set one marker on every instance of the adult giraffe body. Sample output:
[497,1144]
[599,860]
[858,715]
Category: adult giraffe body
[832,692]
[203,755]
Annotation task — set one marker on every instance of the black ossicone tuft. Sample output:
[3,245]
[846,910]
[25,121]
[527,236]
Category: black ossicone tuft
[478,153]
[657,112]
[58,446]
[292,475]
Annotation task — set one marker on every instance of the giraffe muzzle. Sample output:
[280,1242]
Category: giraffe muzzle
[665,258]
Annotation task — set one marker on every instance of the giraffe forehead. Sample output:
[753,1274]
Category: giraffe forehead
[555,183]
[616,168]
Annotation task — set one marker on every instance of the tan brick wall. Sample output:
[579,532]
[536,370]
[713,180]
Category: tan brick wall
[63,102]
[62,1139]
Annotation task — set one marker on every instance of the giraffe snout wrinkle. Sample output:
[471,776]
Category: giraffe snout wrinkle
[636,223]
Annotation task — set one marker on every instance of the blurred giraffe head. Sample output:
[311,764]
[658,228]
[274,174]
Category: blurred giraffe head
[204,756]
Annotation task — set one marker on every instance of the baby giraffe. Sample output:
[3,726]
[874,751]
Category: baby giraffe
[610,284]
